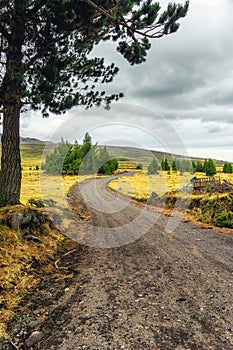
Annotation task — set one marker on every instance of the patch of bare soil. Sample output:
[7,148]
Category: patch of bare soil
[161,291]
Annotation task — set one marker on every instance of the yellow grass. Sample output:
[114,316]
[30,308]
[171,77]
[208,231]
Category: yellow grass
[141,185]
[36,184]
[16,276]
[32,179]
[53,187]
[138,186]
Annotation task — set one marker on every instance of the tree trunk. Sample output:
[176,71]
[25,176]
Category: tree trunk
[11,94]
[10,175]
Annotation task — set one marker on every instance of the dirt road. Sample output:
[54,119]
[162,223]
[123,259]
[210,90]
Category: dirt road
[150,289]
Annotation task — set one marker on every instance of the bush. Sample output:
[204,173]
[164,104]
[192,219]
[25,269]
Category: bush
[224,219]
[36,202]
[216,211]
[153,167]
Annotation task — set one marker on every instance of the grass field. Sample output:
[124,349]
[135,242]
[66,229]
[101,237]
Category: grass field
[53,186]
[139,186]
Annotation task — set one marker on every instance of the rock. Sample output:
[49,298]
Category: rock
[27,221]
[33,324]
[154,195]
[16,219]
[33,339]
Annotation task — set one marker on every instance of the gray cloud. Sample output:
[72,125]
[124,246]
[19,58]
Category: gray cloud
[188,78]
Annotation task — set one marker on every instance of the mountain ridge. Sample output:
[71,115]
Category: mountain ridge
[29,140]
[132,153]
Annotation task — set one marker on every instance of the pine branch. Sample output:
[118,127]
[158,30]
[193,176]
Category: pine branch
[102,10]
[132,31]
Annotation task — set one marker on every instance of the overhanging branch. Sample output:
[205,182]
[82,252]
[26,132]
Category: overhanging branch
[153,31]
[102,10]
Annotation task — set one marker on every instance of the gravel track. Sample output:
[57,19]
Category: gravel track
[141,287]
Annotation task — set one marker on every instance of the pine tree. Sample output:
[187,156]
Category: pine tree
[45,64]
[199,167]
[54,162]
[205,166]
[174,167]
[87,145]
[166,165]
[106,163]
[89,155]
[162,164]
[194,165]
[227,168]
[209,167]
[153,167]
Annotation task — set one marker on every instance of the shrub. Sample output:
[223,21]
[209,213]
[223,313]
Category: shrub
[139,166]
[153,167]
[36,202]
[224,219]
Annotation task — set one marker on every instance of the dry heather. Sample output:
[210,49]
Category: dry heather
[19,260]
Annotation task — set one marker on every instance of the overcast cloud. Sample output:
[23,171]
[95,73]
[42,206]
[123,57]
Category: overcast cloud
[187,79]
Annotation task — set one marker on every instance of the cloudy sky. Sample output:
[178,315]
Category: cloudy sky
[180,100]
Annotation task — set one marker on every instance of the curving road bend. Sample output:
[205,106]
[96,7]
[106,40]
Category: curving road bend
[141,287]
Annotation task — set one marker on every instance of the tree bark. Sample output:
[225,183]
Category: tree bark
[11,95]
[10,175]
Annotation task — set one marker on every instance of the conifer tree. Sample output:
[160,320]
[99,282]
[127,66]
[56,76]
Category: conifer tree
[194,166]
[162,164]
[153,167]
[106,163]
[166,165]
[174,167]
[209,167]
[227,168]
[199,167]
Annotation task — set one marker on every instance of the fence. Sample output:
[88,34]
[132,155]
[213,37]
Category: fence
[205,181]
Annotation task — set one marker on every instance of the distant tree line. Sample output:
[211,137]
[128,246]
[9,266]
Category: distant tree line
[176,165]
[80,159]
[183,165]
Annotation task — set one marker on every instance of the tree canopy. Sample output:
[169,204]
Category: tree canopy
[45,61]
[51,41]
